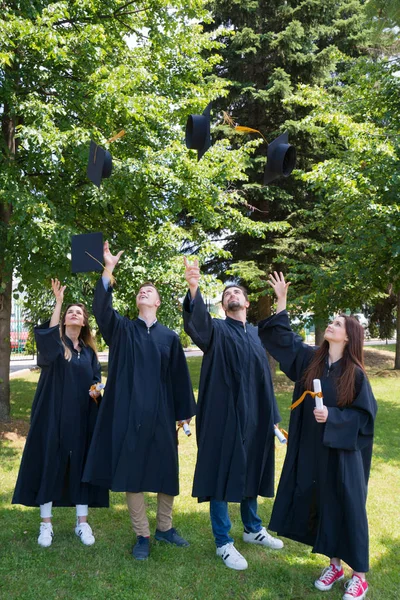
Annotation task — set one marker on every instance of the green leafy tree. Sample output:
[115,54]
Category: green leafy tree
[357,189]
[75,71]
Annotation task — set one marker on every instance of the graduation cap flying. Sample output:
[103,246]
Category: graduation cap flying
[87,252]
[198,136]
[281,156]
[99,165]
[100,161]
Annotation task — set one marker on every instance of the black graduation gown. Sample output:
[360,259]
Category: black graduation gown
[236,410]
[62,422]
[134,446]
[322,492]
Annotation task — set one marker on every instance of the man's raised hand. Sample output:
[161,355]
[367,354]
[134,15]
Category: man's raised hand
[110,261]
[192,273]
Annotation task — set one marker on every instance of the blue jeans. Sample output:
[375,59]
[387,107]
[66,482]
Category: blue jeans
[221,524]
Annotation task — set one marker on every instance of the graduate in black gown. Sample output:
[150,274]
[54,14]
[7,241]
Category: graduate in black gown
[236,415]
[134,447]
[63,416]
[321,497]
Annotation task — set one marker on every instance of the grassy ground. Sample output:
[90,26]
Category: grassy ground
[68,570]
[384,347]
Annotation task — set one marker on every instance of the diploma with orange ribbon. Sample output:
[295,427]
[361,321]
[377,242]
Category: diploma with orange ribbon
[185,427]
[317,394]
[281,434]
[319,399]
[96,387]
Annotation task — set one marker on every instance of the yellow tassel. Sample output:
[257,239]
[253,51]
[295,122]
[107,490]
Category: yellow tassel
[111,276]
[116,136]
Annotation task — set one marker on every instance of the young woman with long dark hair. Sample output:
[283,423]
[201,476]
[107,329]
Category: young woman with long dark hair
[322,492]
[63,416]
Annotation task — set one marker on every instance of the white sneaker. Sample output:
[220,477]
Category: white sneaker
[232,558]
[263,538]
[84,531]
[45,535]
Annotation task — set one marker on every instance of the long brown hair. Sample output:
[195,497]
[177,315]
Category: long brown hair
[85,333]
[351,359]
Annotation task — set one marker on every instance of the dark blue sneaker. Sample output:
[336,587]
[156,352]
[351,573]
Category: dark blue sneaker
[141,549]
[171,537]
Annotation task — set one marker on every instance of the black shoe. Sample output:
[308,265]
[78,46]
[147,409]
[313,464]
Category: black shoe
[141,549]
[171,537]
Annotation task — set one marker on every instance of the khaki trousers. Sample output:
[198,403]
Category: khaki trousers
[137,512]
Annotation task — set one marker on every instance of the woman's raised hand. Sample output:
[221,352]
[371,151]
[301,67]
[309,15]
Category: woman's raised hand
[277,281]
[58,290]
[110,261]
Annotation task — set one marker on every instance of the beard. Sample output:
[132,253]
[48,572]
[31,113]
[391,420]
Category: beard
[234,305]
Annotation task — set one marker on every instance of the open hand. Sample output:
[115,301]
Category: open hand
[110,261]
[277,281]
[58,290]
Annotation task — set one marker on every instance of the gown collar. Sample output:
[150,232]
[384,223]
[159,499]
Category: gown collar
[237,323]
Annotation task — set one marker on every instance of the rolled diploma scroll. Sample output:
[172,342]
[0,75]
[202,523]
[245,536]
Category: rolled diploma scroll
[319,402]
[279,435]
[186,428]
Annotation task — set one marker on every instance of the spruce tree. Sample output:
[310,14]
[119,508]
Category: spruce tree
[270,49]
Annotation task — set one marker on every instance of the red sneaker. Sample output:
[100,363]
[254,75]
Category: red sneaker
[355,588]
[328,577]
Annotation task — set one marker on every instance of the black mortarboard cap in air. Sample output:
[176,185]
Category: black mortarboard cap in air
[198,136]
[81,247]
[281,158]
[99,165]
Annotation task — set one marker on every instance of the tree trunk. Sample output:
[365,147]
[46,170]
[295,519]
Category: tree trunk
[264,311]
[397,356]
[319,335]
[8,132]
[5,350]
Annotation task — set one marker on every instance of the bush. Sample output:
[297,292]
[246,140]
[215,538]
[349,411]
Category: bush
[185,339]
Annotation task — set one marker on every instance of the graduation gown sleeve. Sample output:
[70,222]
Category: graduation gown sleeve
[184,403]
[107,318]
[284,345]
[352,427]
[48,344]
[197,321]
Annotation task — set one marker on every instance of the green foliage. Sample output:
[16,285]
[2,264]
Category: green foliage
[272,50]
[185,339]
[71,72]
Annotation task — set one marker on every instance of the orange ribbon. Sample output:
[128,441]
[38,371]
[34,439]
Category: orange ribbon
[300,400]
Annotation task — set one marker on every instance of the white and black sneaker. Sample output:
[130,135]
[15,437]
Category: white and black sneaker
[45,535]
[262,538]
[85,533]
[232,558]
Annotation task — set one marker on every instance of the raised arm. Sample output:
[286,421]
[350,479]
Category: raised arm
[197,320]
[278,283]
[58,291]
[278,338]
[106,317]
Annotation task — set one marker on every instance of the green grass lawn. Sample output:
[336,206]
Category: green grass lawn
[387,347]
[68,570]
